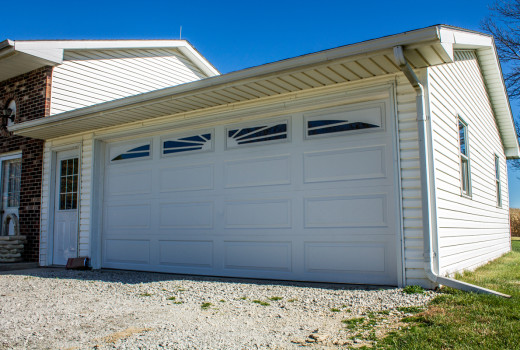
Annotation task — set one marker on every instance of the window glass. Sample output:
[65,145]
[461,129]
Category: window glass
[464,158]
[14,181]
[257,134]
[69,184]
[136,152]
[319,127]
[200,142]
[497,181]
[462,137]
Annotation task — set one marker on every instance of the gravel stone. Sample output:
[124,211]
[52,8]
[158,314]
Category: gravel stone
[60,309]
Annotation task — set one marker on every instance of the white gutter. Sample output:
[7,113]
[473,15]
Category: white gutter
[427,185]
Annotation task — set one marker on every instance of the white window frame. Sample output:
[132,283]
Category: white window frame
[497,181]
[465,177]
[174,137]
[260,122]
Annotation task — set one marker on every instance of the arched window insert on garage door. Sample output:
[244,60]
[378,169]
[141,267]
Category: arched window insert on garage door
[344,119]
[319,127]
[181,145]
[136,152]
[266,132]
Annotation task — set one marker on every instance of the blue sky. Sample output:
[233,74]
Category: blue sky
[238,34]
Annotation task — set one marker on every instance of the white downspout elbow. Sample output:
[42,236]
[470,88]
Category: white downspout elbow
[426,183]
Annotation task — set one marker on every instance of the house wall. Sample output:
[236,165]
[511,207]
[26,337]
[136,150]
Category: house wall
[89,77]
[472,230]
[31,93]
[410,177]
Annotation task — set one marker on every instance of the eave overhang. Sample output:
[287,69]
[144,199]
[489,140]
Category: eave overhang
[423,48]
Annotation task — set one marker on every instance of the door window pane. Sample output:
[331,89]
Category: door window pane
[69,184]
[14,181]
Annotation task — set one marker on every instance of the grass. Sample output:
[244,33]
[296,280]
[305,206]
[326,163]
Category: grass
[352,323]
[413,290]
[275,298]
[145,294]
[292,300]
[205,306]
[461,320]
[335,309]
[260,302]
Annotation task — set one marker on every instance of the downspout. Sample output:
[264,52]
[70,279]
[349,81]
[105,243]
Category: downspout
[426,184]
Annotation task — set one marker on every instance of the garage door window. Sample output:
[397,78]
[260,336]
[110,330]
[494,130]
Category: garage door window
[187,144]
[257,134]
[327,126]
[135,152]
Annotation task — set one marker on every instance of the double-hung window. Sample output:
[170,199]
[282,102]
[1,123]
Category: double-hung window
[465,177]
[497,181]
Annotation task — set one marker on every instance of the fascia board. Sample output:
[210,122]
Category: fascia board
[97,44]
[189,51]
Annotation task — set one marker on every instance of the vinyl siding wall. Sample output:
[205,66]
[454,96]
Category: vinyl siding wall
[472,231]
[89,77]
[410,184]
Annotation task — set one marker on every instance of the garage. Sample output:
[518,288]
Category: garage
[306,196]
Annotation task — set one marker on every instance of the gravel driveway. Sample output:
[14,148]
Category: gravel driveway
[58,309]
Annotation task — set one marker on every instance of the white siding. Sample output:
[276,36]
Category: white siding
[85,197]
[472,231]
[89,77]
[410,184]
[45,203]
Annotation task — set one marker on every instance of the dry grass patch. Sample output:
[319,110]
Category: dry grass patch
[114,337]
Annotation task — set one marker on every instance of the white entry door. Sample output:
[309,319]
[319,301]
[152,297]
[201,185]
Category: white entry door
[66,207]
[11,179]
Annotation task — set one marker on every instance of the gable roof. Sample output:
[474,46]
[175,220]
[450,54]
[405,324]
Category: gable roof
[423,48]
[22,56]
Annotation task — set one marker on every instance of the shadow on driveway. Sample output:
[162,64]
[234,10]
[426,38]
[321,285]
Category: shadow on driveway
[137,277]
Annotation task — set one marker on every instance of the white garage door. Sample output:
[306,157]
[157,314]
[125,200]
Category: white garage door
[307,196]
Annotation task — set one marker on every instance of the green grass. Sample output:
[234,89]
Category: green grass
[460,320]
[275,298]
[410,309]
[145,294]
[260,302]
[335,309]
[205,306]
[413,290]
[292,300]
[170,298]
[352,323]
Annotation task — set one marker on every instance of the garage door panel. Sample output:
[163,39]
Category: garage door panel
[341,257]
[186,215]
[186,253]
[346,211]
[345,164]
[187,178]
[128,216]
[131,251]
[257,171]
[258,213]
[129,182]
[261,255]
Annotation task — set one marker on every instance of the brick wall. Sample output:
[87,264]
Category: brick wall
[31,92]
